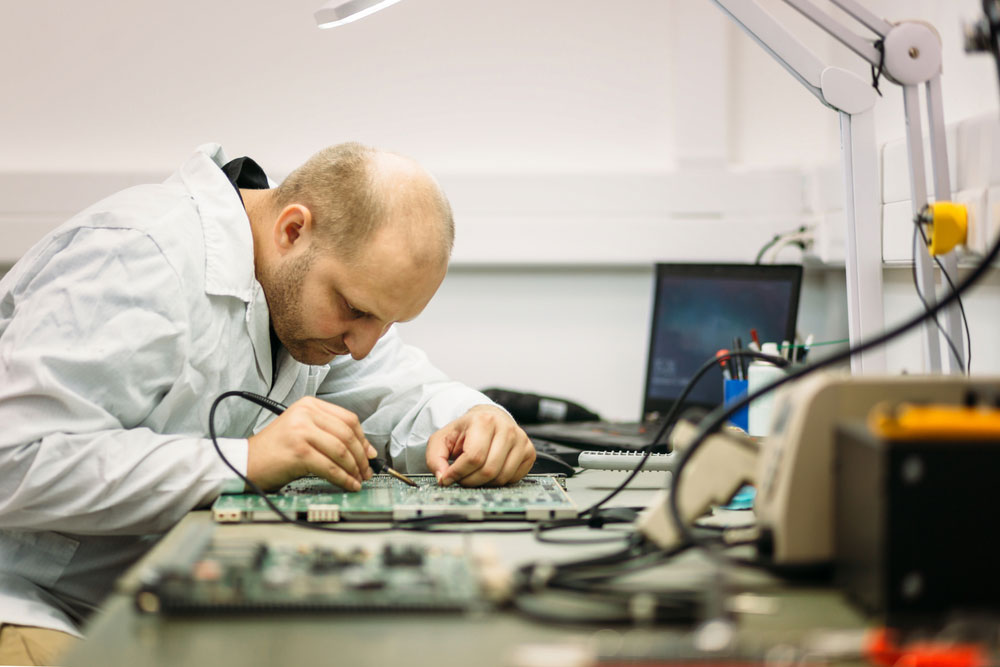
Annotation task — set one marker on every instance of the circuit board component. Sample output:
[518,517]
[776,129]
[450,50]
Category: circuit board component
[257,577]
[383,498]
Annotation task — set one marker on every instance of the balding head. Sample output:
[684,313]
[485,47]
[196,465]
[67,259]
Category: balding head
[353,191]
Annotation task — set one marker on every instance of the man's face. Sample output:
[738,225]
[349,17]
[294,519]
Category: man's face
[322,307]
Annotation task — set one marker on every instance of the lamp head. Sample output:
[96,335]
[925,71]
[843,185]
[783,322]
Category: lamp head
[339,12]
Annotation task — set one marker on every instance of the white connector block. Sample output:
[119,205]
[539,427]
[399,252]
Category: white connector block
[991,218]
[977,234]
[897,233]
[228,516]
[323,513]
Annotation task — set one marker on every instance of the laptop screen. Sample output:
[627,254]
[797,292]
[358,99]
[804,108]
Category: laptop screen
[698,309]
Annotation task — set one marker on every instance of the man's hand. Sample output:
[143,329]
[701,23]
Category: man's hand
[488,448]
[311,436]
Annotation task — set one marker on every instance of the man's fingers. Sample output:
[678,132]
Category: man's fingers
[498,451]
[342,414]
[522,452]
[518,454]
[488,448]
[320,465]
[342,440]
[311,436]
[335,435]
[438,452]
[335,452]
[524,468]
[474,443]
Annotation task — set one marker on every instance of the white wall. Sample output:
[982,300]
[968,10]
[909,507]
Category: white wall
[579,144]
[576,332]
[462,84]
[465,85]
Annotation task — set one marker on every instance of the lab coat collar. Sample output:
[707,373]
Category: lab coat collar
[229,268]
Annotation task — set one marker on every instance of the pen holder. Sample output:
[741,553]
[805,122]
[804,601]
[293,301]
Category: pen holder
[732,391]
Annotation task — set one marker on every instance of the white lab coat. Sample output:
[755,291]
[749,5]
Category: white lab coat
[117,330]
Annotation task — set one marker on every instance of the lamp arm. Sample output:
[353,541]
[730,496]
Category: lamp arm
[861,46]
[774,38]
[874,23]
[909,54]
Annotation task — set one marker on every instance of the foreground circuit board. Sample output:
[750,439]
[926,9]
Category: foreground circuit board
[247,577]
[383,498]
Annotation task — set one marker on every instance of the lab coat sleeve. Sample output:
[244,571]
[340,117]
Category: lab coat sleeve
[93,334]
[401,398]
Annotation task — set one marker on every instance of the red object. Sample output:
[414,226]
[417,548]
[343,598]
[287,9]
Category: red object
[882,649]
[753,335]
[723,357]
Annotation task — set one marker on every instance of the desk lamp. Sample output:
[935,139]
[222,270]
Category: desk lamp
[339,12]
[909,54]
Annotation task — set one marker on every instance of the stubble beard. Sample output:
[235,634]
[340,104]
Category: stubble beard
[283,293]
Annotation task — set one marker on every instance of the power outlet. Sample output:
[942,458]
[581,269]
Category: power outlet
[991,217]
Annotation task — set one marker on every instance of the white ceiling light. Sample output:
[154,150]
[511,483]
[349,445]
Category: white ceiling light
[338,12]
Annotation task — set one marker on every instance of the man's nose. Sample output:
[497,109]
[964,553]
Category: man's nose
[363,335]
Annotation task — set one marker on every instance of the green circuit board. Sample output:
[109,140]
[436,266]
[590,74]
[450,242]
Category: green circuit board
[384,498]
[257,577]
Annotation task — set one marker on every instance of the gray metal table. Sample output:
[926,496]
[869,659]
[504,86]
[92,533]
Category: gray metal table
[119,635]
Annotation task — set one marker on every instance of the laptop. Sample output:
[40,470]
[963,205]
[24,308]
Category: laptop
[698,309]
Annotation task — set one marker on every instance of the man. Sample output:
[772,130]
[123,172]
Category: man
[119,329]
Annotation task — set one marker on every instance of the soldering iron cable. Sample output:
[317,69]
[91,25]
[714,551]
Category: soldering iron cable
[277,408]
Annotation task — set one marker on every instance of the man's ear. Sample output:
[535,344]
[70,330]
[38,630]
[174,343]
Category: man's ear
[293,228]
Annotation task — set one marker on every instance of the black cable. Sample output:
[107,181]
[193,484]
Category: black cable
[668,419]
[913,266]
[965,321]
[680,607]
[961,306]
[276,408]
[877,74]
[432,525]
[627,518]
[718,417]
[638,555]
[992,11]
[586,591]
[586,582]
[635,553]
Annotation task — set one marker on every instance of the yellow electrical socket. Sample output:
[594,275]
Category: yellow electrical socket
[949,223]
